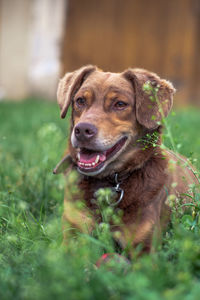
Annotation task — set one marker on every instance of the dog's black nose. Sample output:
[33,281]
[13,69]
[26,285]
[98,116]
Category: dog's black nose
[85,131]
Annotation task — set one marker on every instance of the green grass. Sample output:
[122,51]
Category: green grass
[33,262]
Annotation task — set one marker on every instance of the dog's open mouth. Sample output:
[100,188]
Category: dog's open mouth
[92,161]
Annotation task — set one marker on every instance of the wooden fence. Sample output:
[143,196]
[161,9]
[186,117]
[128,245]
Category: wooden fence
[159,35]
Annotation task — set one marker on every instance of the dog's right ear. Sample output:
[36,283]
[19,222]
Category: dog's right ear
[69,85]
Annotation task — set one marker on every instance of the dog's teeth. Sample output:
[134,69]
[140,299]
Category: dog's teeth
[97,159]
[78,156]
[86,165]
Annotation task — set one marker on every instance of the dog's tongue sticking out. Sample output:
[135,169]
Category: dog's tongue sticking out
[90,158]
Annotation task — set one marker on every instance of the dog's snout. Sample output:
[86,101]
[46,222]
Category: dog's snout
[85,131]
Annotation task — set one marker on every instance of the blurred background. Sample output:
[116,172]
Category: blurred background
[40,40]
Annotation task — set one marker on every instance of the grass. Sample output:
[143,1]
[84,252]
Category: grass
[33,262]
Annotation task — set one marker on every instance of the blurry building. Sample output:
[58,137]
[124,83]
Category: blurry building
[31,34]
[42,39]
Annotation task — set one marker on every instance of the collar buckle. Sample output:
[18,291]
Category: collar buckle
[118,190]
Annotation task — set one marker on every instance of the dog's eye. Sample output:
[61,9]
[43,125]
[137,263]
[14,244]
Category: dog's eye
[80,102]
[119,105]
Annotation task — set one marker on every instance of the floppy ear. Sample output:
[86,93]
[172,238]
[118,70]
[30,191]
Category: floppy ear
[153,96]
[69,85]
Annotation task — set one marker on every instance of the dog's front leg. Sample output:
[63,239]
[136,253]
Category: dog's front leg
[146,231]
[76,218]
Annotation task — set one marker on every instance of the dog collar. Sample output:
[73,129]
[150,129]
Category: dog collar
[66,164]
[116,189]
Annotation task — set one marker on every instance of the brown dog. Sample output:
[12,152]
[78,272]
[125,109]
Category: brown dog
[115,142]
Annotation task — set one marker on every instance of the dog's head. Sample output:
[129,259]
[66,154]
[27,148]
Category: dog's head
[109,112]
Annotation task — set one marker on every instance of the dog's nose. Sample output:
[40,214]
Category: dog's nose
[85,131]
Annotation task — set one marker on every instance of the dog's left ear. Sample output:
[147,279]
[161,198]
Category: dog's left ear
[69,85]
[153,96]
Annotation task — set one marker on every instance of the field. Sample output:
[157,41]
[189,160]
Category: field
[33,262]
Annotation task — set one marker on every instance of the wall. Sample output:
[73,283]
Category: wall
[14,28]
[30,44]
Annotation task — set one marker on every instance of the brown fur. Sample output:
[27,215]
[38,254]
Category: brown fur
[146,175]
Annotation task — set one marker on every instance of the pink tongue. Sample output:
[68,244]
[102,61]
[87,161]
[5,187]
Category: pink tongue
[91,157]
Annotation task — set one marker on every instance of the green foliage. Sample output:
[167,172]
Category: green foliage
[33,262]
